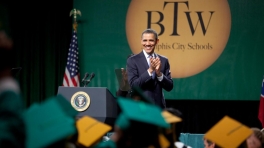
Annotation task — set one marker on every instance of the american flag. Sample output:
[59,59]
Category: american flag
[72,75]
[261,105]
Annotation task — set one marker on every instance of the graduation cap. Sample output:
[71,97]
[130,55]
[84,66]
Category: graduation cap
[137,94]
[90,130]
[163,141]
[122,121]
[48,123]
[139,111]
[66,106]
[228,133]
[170,118]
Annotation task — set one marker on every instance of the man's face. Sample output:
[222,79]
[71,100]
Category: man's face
[148,42]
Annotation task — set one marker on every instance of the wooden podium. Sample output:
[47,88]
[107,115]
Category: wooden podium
[100,103]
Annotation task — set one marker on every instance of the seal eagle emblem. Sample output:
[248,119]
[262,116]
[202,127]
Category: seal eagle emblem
[80,101]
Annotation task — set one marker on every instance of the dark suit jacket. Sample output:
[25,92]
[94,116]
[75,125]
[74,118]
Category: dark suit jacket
[138,76]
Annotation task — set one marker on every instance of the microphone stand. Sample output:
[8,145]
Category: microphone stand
[86,82]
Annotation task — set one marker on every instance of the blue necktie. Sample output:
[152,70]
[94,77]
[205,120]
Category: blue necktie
[153,73]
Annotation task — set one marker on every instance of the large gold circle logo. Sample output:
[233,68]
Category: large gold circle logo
[192,33]
[80,101]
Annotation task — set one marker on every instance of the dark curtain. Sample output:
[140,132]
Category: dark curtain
[41,32]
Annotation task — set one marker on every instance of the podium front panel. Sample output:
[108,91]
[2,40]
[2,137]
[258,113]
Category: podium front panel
[102,107]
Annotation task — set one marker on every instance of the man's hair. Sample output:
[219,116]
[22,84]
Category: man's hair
[259,134]
[150,31]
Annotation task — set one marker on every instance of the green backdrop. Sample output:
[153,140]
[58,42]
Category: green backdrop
[236,75]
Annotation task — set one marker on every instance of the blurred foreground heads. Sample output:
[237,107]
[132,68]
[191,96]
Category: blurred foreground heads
[142,124]
[228,133]
[5,41]
[209,144]
[256,139]
[50,124]
[90,131]
[139,125]
[12,127]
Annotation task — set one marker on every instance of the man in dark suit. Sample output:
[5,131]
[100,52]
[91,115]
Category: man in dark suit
[150,71]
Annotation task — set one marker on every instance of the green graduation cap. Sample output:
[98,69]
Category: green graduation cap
[141,112]
[137,94]
[66,106]
[122,121]
[48,122]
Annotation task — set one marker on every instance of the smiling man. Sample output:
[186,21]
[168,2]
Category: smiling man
[150,71]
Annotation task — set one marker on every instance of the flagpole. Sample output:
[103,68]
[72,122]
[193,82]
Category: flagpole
[75,12]
[71,76]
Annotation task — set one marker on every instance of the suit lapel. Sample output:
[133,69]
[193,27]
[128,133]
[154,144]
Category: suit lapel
[143,59]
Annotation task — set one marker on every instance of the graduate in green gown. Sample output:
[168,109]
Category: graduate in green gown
[12,128]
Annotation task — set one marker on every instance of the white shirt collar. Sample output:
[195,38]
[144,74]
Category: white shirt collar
[147,55]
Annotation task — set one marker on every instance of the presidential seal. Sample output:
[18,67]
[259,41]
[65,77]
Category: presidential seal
[80,101]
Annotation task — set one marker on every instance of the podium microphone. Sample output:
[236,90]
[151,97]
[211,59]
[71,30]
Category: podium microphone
[85,77]
[89,80]
[91,77]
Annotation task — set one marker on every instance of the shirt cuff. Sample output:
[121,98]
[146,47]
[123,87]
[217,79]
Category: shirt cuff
[161,77]
[149,73]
